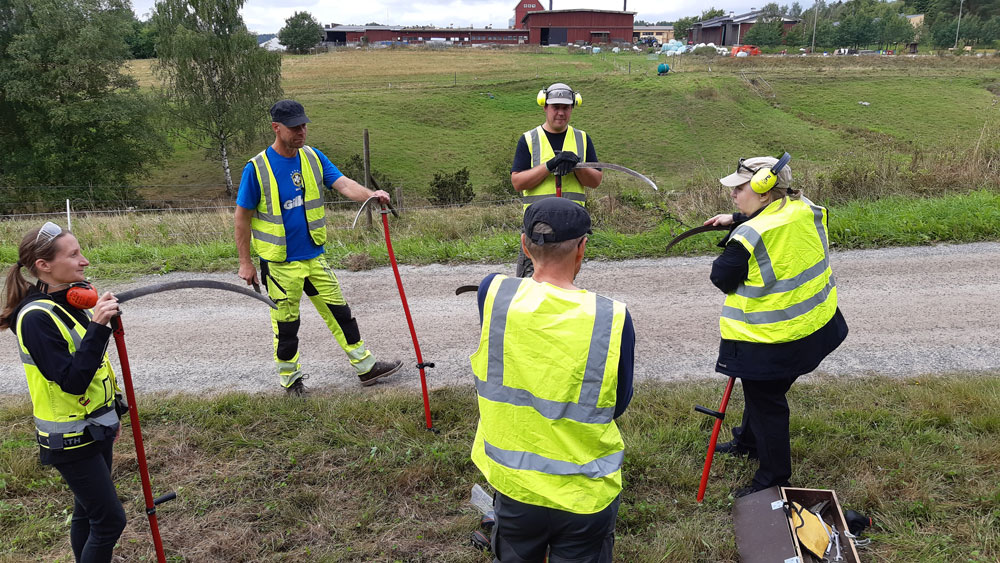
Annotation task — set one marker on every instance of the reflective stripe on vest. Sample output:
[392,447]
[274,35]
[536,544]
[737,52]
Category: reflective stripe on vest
[267,225]
[60,417]
[541,151]
[586,409]
[547,375]
[600,467]
[799,299]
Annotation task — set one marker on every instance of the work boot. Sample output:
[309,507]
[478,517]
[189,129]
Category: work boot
[380,370]
[734,448]
[298,389]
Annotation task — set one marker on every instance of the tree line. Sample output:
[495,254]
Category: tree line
[77,126]
[865,23]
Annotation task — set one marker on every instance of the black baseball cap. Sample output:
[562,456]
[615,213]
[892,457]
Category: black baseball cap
[569,220]
[289,113]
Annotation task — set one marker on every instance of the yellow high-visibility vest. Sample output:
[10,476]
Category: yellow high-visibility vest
[266,224]
[547,379]
[789,292]
[61,418]
[541,151]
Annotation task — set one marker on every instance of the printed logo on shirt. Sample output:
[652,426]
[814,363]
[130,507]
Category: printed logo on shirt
[293,203]
[297,180]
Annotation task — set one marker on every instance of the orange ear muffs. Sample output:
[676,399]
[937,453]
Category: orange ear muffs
[81,295]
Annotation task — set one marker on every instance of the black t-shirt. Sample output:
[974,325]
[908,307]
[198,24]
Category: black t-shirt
[522,156]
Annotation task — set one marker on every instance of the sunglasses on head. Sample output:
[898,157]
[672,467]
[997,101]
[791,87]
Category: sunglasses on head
[47,233]
[740,167]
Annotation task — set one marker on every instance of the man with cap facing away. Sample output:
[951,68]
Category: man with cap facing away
[545,157]
[280,210]
[553,372]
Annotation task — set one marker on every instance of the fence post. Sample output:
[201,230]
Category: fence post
[69,222]
[399,199]
[368,176]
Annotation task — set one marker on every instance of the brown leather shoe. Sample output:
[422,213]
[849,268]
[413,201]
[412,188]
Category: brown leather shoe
[380,370]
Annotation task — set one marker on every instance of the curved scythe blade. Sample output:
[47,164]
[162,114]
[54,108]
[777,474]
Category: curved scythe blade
[191,284]
[369,202]
[619,168]
[694,231]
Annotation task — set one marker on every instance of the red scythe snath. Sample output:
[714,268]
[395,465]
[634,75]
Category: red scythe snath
[133,411]
[386,209]
[719,416]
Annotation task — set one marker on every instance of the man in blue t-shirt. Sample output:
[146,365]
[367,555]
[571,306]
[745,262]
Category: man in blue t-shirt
[284,221]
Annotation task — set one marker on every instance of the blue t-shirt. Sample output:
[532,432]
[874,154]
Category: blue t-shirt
[626,359]
[288,173]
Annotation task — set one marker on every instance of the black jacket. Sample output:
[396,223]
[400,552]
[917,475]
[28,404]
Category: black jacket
[756,361]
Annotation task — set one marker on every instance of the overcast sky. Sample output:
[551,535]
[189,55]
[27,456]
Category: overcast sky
[268,16]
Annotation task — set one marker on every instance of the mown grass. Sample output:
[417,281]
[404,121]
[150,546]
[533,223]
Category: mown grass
[356,477]
[633,225]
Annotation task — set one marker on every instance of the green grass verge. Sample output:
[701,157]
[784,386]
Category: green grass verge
[356,477]
[490,234]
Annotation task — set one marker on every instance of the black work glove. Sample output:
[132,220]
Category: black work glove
[562,163]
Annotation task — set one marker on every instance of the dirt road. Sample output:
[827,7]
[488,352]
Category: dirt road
[911,311]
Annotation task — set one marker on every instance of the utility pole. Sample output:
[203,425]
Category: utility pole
[815,17]
[959,26]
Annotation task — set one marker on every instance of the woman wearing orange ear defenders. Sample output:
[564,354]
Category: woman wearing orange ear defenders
[75,397]
[780,318]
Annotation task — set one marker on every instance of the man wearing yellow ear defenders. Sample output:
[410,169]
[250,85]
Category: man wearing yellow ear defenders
[546,155]
[780,318]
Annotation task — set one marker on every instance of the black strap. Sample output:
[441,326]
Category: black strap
[60,441]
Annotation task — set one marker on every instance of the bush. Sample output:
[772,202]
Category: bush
[498,186]
[705,51]
[451,189]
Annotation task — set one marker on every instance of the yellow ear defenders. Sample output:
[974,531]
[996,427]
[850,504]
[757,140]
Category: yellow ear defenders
[543,96]
[765,178]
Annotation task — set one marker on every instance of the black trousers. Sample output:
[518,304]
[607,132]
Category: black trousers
[525,533]
[764,429]
[98,516]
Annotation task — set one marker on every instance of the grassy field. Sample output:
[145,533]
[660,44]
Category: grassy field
[356,477]
[440,110]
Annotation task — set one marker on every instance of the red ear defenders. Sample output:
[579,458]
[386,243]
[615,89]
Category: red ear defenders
[543,96]
[81,295]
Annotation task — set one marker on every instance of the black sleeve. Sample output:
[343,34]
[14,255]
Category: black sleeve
[731,268]
[71,372]
[522,156]
[484,288]
[591,151]
[626,366]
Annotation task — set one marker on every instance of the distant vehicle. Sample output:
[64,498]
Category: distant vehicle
[649,41]
[748,49]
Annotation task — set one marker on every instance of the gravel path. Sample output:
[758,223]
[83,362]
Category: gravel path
[911,311]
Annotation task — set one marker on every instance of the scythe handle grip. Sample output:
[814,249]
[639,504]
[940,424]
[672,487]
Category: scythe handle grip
[169,496]
[710,412]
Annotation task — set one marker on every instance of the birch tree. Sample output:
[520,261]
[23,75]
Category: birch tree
[217,82]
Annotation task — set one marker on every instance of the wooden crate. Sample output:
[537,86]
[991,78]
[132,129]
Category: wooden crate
[764,533]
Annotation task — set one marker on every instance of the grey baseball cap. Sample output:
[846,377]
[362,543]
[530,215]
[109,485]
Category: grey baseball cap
[559,93]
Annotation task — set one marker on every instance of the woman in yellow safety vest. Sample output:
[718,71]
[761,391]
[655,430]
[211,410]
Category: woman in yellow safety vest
[780,318]
[74,394]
